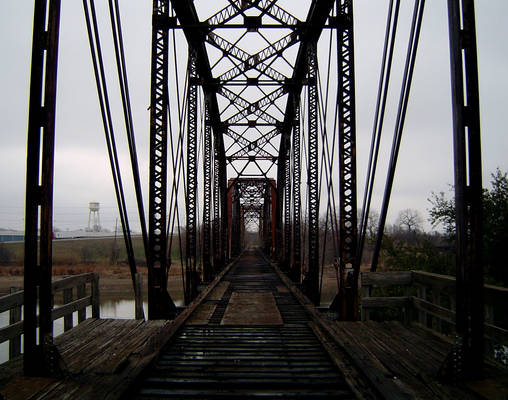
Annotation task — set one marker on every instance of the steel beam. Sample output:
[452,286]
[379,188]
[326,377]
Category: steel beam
[311,281]
[191,278]
[346,301]
[468,187]
[160,304]
[296,266]
[207,196]
[40,360]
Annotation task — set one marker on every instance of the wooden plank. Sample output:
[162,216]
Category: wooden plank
[387,278]
[96,301]
[73,306]
[383,302]
[433,309]
[353,377]
[138,297]
[80,293]
[252,309]
[374,372]
[388,385]
[496,334]
[434,280]
[11,300]
[202,315]
[73,281]
[15,316]
[11,331]
[67,299]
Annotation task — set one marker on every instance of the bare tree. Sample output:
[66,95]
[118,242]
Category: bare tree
[410,220]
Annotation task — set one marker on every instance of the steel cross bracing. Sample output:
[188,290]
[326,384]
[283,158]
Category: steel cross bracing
[253,84]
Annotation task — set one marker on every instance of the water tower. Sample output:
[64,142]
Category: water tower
[94,221]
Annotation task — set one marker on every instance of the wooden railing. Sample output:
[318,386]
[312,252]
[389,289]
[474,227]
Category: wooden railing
[78,292]
[429,300]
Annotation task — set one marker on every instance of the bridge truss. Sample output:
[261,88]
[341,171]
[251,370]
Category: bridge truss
[259,130]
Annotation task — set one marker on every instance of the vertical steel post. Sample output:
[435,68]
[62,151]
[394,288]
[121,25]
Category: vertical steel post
[281,185]
[346,301]
[287,207]
[468,184]
[191,279]
[39,190]
[160,304]
[224,198]
[296,266]
[311,282]
[207,196]
[217,264]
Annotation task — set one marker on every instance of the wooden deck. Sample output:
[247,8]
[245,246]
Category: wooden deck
[99,356]
[250,334]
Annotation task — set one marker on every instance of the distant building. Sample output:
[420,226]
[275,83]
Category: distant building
[12,236]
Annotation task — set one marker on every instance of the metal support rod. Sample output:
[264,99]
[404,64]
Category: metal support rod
[468,184]
[39,190]
[160,304]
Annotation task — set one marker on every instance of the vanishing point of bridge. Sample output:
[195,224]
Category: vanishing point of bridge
[255,132]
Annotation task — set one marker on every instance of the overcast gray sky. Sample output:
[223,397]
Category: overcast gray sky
[82,169]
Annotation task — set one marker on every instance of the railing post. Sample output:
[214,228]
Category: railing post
[81,292]
[138,297]
[408,308]
[14,316]
[366,292]
[422,315]
[96,313]
[436,294]
[67,298]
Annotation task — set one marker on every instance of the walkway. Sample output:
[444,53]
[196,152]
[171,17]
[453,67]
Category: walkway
[250,338]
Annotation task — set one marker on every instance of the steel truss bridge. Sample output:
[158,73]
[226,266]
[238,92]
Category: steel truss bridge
[258,130]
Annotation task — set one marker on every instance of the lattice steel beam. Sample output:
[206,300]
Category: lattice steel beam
[311,282]
[160,304]
[191,278]
[296,267]
[207,196]
[287,207]
[347,298]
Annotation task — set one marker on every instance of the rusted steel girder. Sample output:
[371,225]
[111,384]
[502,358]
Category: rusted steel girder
[40,360]
[468,186]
